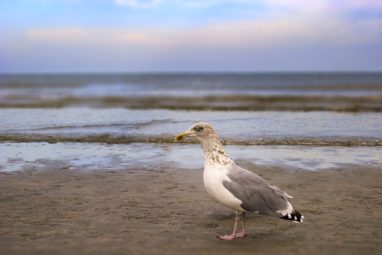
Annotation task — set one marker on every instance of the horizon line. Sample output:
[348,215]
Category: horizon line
[192,72]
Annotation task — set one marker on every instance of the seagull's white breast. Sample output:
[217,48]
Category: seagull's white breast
[213,178]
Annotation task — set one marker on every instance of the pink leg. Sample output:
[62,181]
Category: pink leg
[239,216]
[243,232]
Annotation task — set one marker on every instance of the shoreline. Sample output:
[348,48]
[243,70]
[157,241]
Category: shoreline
[103,156]
[140,211]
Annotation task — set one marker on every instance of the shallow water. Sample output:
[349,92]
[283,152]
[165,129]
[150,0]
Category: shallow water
[351,92]
[91,117]
[192,84]
[95,156]
[138,90]
[124,125]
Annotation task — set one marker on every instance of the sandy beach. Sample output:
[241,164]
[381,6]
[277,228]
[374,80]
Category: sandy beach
[57,210]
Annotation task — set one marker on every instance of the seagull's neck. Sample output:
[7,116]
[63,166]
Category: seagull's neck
[214,153]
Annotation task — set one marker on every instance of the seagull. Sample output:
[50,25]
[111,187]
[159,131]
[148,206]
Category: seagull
[234,186]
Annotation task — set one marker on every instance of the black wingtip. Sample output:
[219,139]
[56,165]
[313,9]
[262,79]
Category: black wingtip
[295,216]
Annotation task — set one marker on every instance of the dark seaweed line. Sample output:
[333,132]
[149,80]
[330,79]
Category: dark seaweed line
[215,103]
[108,139]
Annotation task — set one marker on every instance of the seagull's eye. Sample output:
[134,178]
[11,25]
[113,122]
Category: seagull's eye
[198,128]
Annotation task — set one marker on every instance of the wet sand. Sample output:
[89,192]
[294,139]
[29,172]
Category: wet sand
[166,211]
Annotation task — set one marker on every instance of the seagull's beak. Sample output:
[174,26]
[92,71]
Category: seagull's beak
[180,136]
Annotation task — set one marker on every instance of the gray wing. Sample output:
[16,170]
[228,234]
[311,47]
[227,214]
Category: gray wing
[255,193]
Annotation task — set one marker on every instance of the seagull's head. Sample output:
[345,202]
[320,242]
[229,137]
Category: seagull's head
[201,131]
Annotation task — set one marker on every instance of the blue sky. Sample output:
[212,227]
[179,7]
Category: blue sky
[190,35]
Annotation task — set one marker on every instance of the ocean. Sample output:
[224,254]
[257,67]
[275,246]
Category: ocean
[311,121]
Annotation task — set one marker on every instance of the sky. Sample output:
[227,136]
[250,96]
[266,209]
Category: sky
[43,36]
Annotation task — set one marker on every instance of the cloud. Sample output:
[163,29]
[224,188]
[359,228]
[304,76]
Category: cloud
[99,36]
[287,4]
[58,35]
[286,23]
[284,31]
[138,3]
[271,30]
[369,4]
[270,5]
